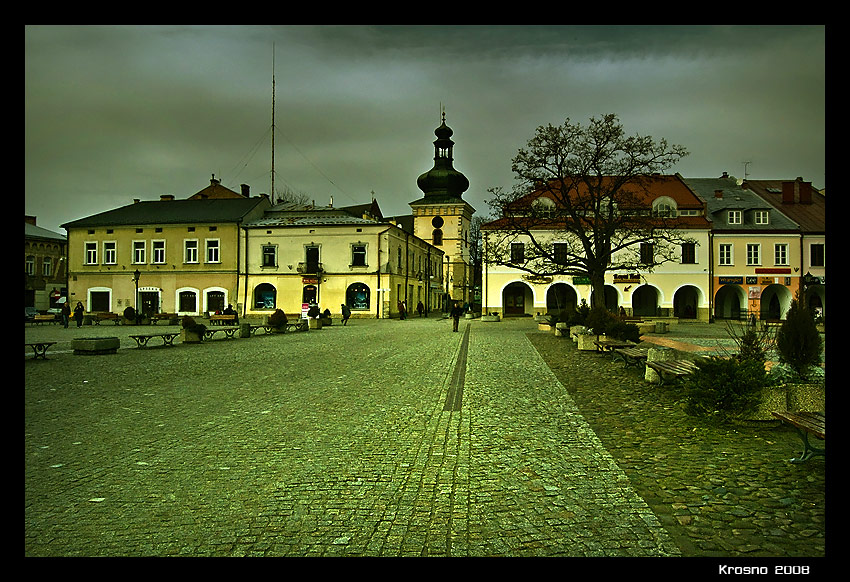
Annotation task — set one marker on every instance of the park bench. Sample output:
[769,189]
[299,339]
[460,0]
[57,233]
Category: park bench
[298,325]
[672,369]
[143,338]
[40,349]
[229,331]
[49,318]
[159,316]
[633,356]
[806,423]
[252,328]
[106,316]
[222,319]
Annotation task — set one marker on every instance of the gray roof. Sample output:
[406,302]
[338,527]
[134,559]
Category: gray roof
[173,212]
[33,231]
[736,198]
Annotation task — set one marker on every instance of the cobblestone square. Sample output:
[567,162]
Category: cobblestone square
[392,438]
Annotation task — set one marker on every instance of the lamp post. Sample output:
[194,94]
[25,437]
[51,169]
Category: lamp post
[136,275]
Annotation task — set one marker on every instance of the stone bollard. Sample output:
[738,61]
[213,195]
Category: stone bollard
[659,354]
[576,331]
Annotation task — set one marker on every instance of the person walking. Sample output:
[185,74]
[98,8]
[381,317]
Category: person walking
[420,308]
[78,313]
[456,313]
[66,313]
[346,313]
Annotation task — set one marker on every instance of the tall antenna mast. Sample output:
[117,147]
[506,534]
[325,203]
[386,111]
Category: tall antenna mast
[272,192]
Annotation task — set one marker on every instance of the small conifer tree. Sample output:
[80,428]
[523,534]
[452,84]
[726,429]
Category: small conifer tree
[798,340]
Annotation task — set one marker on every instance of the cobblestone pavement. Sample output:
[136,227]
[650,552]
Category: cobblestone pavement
[390,438]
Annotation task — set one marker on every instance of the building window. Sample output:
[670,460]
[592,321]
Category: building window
[817,256]
[139,252]
[559,253]
[437,237]
[664,206]
[29,265]
[689,253]
[91,253]
[188,302]
[647,253]
[517,253]
[358,255]
[762,217]
[269,256]
[158,251]
[213,250]
[357,296]
[399,258]
[109,253]
[265,296]
[754,254]
[734,217]
[780,254]
[46,267]
[725,254]
[190,251]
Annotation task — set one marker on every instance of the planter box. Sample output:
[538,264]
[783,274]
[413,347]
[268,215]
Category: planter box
[544,326]
[562,330]
[490,318]
[576,331]
[585,342]
[95,345]
[326,321]
[190,337]
[314,323]
[806,397]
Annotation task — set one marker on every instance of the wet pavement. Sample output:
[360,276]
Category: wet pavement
[393,438]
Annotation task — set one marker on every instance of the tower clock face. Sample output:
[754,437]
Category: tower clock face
[437,221]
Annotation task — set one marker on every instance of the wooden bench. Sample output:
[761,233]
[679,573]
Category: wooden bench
[49,318]
[143,338]
[105,316]
[634,356]
[222,319]
[229,332]
[159,316]
[40,349]
[672,369]
[806,423]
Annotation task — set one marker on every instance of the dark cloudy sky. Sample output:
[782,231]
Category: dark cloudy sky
[114,113]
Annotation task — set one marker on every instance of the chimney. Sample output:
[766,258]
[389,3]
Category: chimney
[165,197]
[246,190]
[718,193]
[136,200]
[213,181]
[29,220]
[805,189]
[788,192]
[725,175]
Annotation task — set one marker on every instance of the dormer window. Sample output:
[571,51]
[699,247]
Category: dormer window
[543,207]
[762,217]
[664,206]
[734,217]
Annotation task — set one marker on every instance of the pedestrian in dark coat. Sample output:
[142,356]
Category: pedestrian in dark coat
[66,313]
[420,308]
[78,314]
[346,313]
[456,313]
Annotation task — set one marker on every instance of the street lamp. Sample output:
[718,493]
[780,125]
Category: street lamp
[136,275]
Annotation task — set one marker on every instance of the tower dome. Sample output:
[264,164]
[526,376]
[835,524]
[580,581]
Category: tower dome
[443,180]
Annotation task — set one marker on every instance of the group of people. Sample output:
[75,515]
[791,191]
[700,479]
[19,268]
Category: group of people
[78,314]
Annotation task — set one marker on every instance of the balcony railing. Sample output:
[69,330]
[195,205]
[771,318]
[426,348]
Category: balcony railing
[310,268]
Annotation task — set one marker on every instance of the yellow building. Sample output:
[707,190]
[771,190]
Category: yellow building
[679,287]
[297,255]
[164,256]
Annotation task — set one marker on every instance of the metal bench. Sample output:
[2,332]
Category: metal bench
[229,332]
[159,316]
[143,338]
[806,423]
[634,356]
[40,349]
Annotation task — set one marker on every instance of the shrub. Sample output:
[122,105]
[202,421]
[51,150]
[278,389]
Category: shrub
[580,314]
[599,320]
[278,319]
[724,387]
[624,331]
[189,324]
[130,313]
[753,343]
[798,340]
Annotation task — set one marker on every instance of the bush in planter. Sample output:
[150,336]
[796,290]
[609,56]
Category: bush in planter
[624,331]
[753,343]
[798,340]
[724,388]
[189,324]
[130,314]
[599,320]
[579,316]
[278,319]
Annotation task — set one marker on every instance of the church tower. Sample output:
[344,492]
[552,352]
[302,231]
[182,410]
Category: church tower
[443,217]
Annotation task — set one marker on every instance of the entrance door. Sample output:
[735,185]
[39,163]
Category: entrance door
[149,302]
[514,299]
[310,294]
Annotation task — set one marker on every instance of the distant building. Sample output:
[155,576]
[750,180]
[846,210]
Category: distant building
[45,267]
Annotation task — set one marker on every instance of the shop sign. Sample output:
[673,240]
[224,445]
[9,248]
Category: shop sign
[773,271]
[732,280]
[752,280]
[581,280]
[309,281]
[634,278]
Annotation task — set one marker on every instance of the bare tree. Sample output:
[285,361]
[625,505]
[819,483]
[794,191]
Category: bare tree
[583,204]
